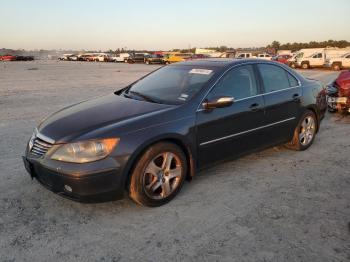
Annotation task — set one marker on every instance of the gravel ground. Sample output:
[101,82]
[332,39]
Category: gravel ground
[276,205]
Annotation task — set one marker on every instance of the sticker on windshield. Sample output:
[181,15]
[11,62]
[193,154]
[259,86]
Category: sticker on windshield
[183,97]
[200,71]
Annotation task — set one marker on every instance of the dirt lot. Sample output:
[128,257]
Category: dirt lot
[277,205]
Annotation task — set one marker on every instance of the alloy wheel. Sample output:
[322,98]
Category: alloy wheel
[307,130]
[162,175]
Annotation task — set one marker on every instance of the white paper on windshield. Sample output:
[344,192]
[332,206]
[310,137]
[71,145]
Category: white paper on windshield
[183,97]
[200,71]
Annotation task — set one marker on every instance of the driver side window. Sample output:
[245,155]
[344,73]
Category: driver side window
[238,83]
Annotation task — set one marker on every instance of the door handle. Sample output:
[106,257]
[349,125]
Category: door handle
[254,107]
[296,97]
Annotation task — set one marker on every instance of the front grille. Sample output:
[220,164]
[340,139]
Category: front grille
[40,147]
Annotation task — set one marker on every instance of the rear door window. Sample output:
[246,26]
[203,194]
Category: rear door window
[292,80]
[274,77]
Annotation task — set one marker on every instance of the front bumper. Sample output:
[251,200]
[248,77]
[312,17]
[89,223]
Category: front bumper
[95,182]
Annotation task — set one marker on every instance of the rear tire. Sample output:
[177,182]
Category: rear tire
[158,175]
[336,66]
[304,133]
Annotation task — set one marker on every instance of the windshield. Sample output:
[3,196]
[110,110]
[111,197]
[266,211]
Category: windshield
[170,84]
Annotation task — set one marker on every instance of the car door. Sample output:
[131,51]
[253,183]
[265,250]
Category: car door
[317,60]
[282,93]
[232,130]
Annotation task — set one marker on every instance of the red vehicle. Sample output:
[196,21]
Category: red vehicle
[7,58]
[338,93]
[282,59]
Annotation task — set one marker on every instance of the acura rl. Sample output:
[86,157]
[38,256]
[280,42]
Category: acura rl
[148,137]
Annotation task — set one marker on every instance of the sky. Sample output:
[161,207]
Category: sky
[165,24]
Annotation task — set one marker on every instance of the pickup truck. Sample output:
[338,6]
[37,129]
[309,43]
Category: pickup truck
[339,63]
[264,56]
[122,57]
[315,57]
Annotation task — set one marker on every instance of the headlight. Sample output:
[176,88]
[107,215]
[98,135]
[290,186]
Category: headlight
[85,151]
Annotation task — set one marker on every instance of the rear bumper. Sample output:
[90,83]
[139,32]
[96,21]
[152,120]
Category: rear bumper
[97,186]
[339,103]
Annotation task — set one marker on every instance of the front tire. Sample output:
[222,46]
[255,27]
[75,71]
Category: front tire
[158,175]
[304,133]
[305,66]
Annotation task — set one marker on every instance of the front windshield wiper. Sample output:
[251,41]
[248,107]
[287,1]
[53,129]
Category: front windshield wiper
[143,96]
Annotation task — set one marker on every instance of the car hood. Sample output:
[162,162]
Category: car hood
[81,118]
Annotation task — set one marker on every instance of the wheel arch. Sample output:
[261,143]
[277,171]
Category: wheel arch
[337,63]
[313,109]
[170,139]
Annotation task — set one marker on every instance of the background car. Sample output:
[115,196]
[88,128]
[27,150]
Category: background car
[8,58]
[64,57]
[72,58]
[338,93]
[122,57]
[137,58]
[264,56]
[282,59]
[83,57]
[24,58]
[154,59]
[245,55]
[174,58]
[339,63]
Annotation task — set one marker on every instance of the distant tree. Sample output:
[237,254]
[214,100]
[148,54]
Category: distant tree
[276,45]
[222,48]
[314,44]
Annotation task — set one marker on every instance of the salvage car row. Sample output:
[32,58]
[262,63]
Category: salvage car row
[16,58]
[334,58]
[147,58]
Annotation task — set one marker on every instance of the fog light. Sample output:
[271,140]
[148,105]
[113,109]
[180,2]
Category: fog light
[68,188]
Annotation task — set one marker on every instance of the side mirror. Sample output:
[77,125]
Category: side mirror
[218,102]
